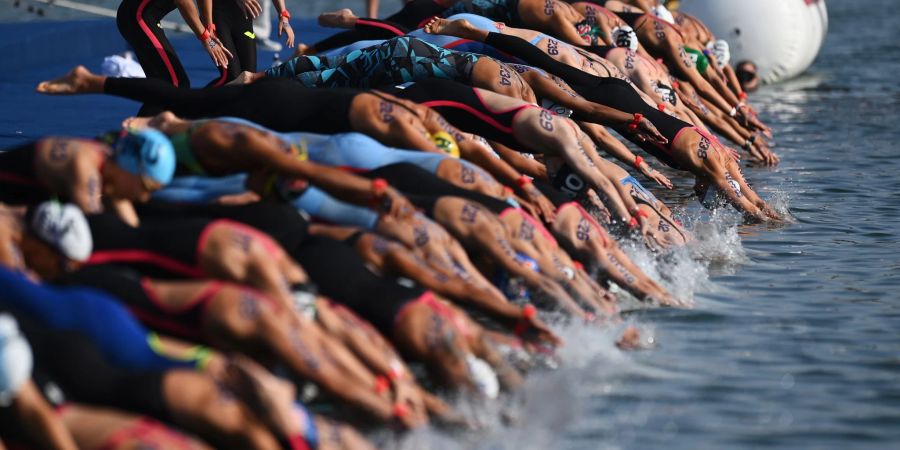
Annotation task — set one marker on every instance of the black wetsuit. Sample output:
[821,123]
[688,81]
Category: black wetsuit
[235,30]
[611,92]
[19,184]
[342,275]
[461,106]
[136,293]
[68,366]
[138,22]
[412,16]
[276,103]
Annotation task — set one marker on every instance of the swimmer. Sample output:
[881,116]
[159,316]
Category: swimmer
[83,171]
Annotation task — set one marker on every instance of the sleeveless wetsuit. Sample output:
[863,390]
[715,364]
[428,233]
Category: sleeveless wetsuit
[394,61]
[138,295]
[341,275]
[279,104]
[19,184]
[611,92]
[95,314]
[70,367]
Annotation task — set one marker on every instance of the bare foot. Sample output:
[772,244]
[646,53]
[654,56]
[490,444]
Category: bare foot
[244,77]
[270,397]
[342,18]
[459,27]
[302,50]
[136,123]
[74,82]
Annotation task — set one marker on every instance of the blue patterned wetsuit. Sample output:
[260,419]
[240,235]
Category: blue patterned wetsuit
[394,61]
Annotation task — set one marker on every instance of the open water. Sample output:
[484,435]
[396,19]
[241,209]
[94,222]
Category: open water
[794,341]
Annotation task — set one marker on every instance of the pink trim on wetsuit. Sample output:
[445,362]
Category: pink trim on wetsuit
[452,104]
[221,80]
[527,217]
[144,256]
[156,44]
[600,231]
[14,178]
[381,25]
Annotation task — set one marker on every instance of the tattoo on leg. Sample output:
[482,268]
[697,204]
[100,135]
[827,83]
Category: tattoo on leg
[546,120]
[469,213]
[468,175]
[703,148]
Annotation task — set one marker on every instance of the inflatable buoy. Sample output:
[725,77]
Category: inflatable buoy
[782,37]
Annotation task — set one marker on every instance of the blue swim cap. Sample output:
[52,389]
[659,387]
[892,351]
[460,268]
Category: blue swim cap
[146,152]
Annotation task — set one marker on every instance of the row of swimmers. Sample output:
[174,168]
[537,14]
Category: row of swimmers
[407,210]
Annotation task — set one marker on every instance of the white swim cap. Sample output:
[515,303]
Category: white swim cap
[15,360]
[722,51]
[485,378]
[625,36]
[663,13]
[64,227]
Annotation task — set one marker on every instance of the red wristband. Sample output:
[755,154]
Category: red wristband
[285,13]
[661,107]
[637,162]
[381,385]
[529,312]
[379,186]
[640,213]
[638,117]
[401,411]
[205,36]
[742,96]
[632,223]
[523,180]
[578,265]
[676,84]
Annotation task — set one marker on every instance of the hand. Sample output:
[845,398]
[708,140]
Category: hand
[284,27]
[410,395]
[544,206]
[647,131]
[538,332]
[251,8]
[219,54]
[656,176]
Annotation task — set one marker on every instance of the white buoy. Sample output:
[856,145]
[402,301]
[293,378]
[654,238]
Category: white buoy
[782,37]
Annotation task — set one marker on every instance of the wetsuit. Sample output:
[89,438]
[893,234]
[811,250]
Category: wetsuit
[611,92]
[138,22]
[235,30]
[506,11]
[342,275]
[137,294]
[412,16]
[394,61]
[123,341]
[279,104]
[19,184]
[69,367]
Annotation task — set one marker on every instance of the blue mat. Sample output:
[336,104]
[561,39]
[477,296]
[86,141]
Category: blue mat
[36,51]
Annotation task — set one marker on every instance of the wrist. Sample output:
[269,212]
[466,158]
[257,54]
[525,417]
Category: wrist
[285,14]
[527,315]
[635,122]
[638,161]
[377,191]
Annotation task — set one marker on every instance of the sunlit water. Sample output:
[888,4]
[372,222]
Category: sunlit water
[793,340]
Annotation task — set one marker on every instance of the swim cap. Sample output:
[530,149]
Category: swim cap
[663,13]
[625,36]
[146,152]
[722,51]
[64,227]
[445,142]
[15,360]
[484,376]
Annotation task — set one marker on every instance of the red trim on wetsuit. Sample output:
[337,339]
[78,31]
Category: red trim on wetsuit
[381,25]
[600,231]
[527,217]
[439,308]
[299,443]
[145,256]
[221,81]
[153,40]
[139,431]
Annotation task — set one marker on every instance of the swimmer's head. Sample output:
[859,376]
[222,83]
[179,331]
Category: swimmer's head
[143,161]
[15,360]
[625,36]
[446,143]
[746,75]
[58,239]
